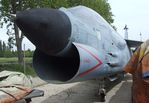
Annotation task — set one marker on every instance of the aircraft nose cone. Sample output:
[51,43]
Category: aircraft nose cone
[48,29]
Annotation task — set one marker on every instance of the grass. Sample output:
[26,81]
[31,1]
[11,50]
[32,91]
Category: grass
[14,60]
[10,64]
[18,68]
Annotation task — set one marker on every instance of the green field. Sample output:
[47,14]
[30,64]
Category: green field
[14,60]
[11,64]
[19,68]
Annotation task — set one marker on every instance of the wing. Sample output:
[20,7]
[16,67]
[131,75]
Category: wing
[133,43]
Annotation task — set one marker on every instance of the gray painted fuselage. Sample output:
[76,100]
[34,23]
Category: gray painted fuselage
[89,28]
[73,44]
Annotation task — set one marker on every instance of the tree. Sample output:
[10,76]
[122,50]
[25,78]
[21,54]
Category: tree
[10,43]
[1,47]
[4,46]
[12,6]
[100,6]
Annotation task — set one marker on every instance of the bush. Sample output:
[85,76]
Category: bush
[8,53]
[18,68]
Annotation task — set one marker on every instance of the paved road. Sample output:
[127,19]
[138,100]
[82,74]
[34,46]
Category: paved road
[85,92]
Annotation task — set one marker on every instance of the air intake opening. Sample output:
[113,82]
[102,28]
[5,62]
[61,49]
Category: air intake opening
[55,68]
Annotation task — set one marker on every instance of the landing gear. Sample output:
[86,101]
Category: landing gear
[102,91]
[102,94]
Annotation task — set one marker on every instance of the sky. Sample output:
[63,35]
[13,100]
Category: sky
[26,42]
[133,13]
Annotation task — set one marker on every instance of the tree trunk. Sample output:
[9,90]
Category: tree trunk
[18,44]
[18,37]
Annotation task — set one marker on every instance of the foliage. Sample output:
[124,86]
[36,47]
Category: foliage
[10,54]
[4,46]
[13,60]
[29,53]
[12,6]
[100,6]
[5,51]
[18,68]
[1,46]
[11,42]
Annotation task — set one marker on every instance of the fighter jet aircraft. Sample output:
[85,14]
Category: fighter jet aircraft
[73,44]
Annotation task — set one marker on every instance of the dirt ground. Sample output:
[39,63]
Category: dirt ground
[85,92]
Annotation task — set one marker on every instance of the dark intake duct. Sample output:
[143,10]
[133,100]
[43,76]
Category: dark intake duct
[83,64]
[48,29]
[56,68]
[56,58]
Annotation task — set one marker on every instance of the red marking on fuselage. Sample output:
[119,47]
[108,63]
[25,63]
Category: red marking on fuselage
[87,61]
[93,68]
